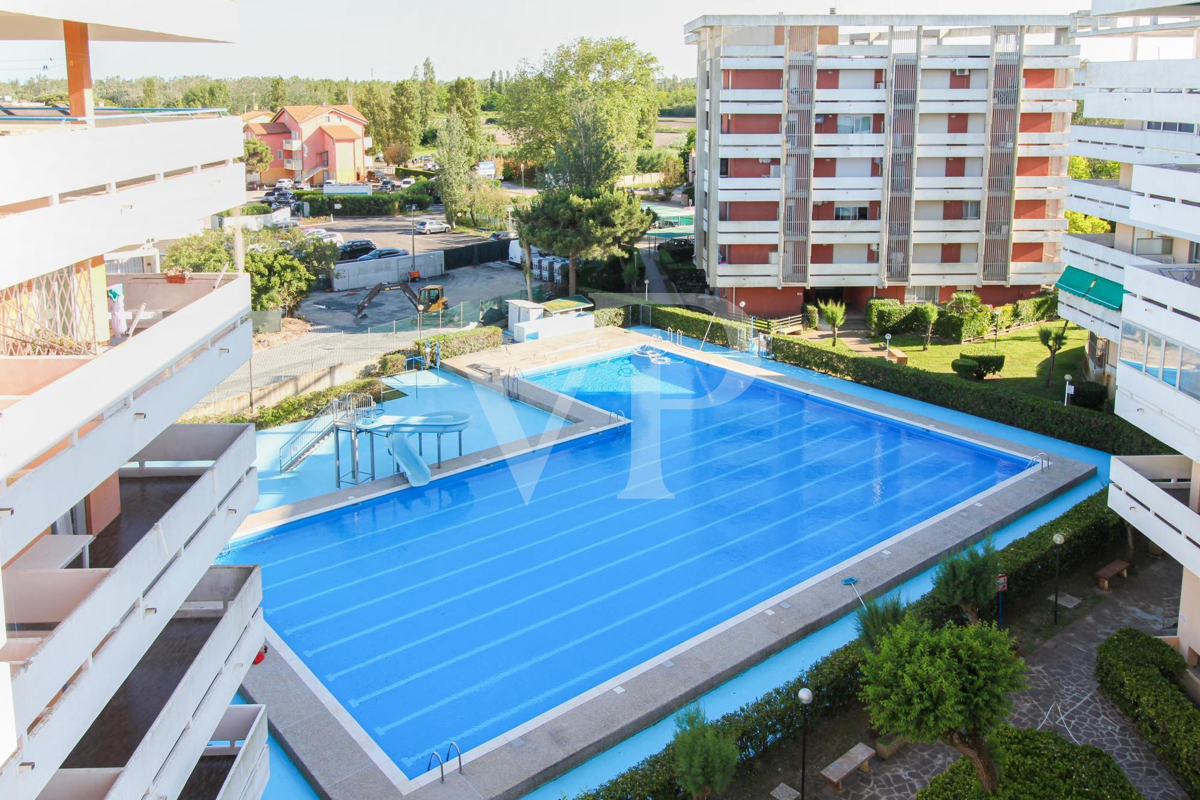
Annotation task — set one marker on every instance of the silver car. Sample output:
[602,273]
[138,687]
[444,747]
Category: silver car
[432,226]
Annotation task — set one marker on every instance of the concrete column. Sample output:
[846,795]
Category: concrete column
[79,69]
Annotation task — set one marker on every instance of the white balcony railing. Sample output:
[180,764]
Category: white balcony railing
[1101,198]
[750,140]
[65,439]
[101,626]
[1150,493]
[752,95]
[293,164]
[749,183]
[748,226]
[849,139]
[974,139]
[844,274]
[164,760]
[292,144]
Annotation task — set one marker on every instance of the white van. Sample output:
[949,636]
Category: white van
[516,254]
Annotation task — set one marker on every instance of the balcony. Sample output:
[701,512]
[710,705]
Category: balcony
[752,95]
[746,275]
[944,273]
[726,226]
[129,179]
[158,724]
[972,139]
[81,631]
[293,164]
[1033,273]
[70,422]
[962,95]
[847,226]
[1151,494]
[1150,89]
[844,274]
[1134,146]
[751,140]
[1100,198]
[949,107]
[972,225]
[292,144]
[849,139]
[749,107]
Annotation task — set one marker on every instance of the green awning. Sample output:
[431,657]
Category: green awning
[1100,291]
[575,302]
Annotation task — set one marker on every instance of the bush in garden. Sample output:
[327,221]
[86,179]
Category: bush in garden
[967,368]
[1090,394]
[924,316]
[990,360]
[876,617]
[883,315]
[967,580]
[812,316]
[1036,764]
[705,759]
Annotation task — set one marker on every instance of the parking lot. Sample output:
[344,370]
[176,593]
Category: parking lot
[398,232]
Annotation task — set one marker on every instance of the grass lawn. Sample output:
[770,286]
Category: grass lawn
[1026,361]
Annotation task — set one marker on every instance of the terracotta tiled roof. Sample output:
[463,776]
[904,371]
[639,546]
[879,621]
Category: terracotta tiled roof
[340,132]
[257,114]
[305,113]
[263,128]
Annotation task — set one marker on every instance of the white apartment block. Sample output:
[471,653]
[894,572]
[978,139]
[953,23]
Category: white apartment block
[1137,289]
[123,646]
[859,154]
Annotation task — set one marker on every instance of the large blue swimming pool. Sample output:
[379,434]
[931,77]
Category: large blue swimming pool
[460,610]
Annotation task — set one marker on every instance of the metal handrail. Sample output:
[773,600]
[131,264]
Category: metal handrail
[454,746]
[1043,462]
[144,114]
[441,764]
[351,406]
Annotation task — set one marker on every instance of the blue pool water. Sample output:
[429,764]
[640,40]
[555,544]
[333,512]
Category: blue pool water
[460,610]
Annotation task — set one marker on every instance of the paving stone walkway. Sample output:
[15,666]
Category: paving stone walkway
[1062,695]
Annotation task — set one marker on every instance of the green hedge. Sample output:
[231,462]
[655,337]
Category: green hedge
[248,210]
[1139,674]
[974,319]
[1104,432]
[1089,528]
[885,315]
[1036,764]
[614,317]
[460,343]
[353,205]
[989,359]
[413,172]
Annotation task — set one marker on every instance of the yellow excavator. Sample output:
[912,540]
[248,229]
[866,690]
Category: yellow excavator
[427,298]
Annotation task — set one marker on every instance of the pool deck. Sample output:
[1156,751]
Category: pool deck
[342,761]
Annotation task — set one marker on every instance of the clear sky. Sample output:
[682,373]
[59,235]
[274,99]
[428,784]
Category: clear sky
[386,38]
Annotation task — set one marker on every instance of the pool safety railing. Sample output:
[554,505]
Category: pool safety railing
[442,762]
[1043,461]
[512,383]
[350,407]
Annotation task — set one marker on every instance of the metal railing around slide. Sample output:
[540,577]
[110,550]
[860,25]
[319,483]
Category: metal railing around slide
[350,407]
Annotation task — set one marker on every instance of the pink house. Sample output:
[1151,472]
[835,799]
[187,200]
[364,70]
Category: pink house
[315,144]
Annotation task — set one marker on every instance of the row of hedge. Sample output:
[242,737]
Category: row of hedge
[966,317]
[379,204]
[1036,764]
[1104,432]
[1139,674]
[886,315]
[460,343]
[612,317]
[297,408]
[1089,529]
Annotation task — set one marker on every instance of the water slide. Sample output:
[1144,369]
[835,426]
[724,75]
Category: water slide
[408,460]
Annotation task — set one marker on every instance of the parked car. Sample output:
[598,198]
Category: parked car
[387,185]
[407,182]
[351,250]
[503,236]
[284,224]
[383,252]
[315,231]
[331,183]
[432,226]
[303,186]
[283,183]
[332,236]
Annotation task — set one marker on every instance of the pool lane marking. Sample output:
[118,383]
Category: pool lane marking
[462,736]
[475,521]
[624,587]
[592,545]
[517,486]
[739,602]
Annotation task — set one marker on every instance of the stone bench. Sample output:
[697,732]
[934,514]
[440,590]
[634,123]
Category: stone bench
[858,757]
[1111,571]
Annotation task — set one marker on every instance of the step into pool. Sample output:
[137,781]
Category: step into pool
[460,610]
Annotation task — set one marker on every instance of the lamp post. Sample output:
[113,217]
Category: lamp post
[888,343]
[647,285]
[412,225]
[1058,540]
[1068,391]
[805,696]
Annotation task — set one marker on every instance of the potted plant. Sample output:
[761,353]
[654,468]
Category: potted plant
[177,274]
[888,745]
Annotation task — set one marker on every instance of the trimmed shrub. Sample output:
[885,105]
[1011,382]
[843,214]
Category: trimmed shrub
[353,205]
[1090,394]
[1139,675]
[614,317]
[882,314]
[812,316]
[413,172]
[967,368]
[249,210]
[990,360]
[1036,764]
[460,343]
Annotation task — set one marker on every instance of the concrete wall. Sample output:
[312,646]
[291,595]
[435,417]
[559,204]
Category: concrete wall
[315,381]
[361,274]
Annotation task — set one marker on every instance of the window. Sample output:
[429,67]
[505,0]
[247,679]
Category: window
[279,154]
[1194,253]
[970,209]
[1189,372]
[920,294]
[853,124]
[850,213]
[1133,346]
[724,168]
[1154,347]
[1170,369]
[1154,126]
[1187,127]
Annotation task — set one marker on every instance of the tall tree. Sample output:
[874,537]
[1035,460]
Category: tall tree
[967,580]
[429,94]
[948,684]
[406,117]
[588,157]
[150,89]
[374,100]
[256,155]
[462,98]
[454,167]
[277,95]
[619,76]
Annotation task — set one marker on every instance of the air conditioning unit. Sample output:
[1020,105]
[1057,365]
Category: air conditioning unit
[962,72]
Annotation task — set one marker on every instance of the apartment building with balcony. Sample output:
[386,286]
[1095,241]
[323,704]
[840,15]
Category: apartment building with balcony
[314,143]
[123,646]
[854,155]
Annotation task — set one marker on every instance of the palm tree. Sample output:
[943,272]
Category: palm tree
[876,618]
[1053,341]
[834,313]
